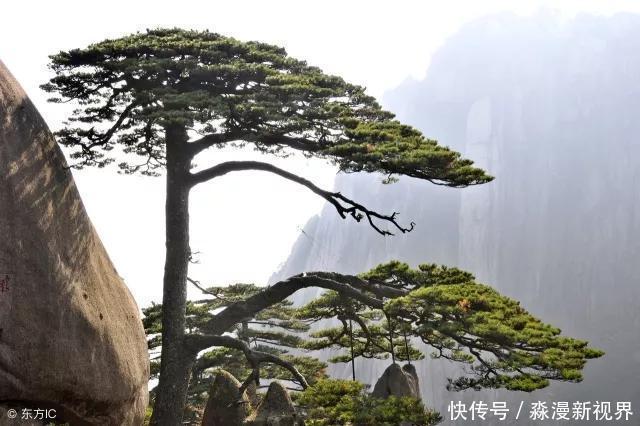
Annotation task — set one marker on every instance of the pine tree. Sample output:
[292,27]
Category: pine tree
[272,331]
[158,99]
[433,309]
[455,318]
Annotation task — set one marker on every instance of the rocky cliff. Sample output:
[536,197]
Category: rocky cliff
[71,338]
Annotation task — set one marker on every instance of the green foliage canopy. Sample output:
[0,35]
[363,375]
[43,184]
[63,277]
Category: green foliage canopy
[128,90]
[462,320]
[430,308]
[434,306]
[341,402]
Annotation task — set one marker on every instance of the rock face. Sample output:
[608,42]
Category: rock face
[70,333]
[397,381]
[224,407]
[276,409]
[412,376]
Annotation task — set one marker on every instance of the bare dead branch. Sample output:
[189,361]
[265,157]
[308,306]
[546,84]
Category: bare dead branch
[197,285]
[344,206]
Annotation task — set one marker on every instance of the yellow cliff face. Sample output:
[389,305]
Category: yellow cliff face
[70,334]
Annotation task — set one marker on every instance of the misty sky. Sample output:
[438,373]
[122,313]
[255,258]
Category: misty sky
[242,225]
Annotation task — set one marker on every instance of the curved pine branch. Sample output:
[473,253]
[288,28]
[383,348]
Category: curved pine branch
[248,308]
[254,357]
[345,207]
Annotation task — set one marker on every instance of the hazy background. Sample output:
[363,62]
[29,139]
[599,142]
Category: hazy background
[376,44]
[551,107]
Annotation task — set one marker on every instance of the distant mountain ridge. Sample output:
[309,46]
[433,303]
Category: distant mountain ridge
[552,109]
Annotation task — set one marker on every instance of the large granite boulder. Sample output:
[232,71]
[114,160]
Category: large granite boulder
[70,332]
[276,409]
[225,407]
[397,381]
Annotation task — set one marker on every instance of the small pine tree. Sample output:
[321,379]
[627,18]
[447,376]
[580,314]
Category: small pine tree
[332,402]
[459,319]
[380,313]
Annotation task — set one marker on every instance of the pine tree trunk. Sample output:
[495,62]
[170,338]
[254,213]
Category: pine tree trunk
[176,362]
